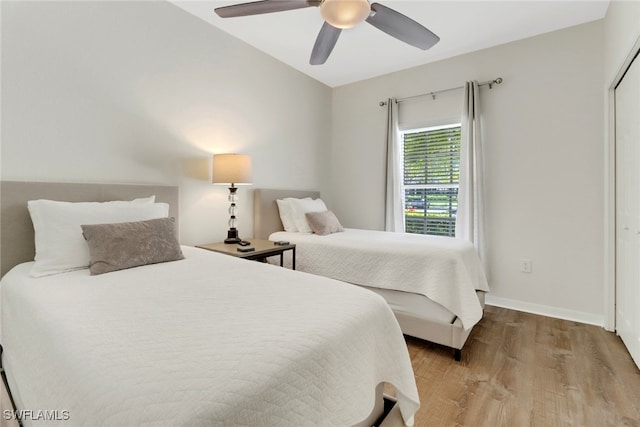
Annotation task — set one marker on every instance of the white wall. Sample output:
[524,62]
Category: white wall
[143,92]
[543,141]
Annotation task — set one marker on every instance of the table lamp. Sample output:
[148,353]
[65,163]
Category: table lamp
[232,170]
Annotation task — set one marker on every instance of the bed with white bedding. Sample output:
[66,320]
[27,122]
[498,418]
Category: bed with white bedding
[204,340]
[435,285]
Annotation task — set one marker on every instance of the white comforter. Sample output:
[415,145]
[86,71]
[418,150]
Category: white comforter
[446,270]
[209,340]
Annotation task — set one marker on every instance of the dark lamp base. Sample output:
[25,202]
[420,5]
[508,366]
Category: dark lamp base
[232,236]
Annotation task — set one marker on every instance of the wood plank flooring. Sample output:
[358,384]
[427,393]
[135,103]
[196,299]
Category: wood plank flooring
[521,369]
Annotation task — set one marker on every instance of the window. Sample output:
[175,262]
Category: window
[431,169]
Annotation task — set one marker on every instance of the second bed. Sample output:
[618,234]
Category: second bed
[434,285]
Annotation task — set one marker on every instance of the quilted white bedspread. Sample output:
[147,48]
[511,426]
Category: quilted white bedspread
[210,340]
[446,270]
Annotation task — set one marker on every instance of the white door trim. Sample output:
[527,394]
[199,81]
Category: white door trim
[610,196]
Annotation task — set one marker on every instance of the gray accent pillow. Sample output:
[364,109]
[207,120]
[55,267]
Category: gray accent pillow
[131,244]
[323,223]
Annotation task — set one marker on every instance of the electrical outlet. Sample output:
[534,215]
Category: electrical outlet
[525,265]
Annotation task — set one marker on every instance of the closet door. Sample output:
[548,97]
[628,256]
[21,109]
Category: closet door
[627,99]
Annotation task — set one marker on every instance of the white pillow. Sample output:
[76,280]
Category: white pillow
[147,200]
[60,245]
[301,207]
[286,215]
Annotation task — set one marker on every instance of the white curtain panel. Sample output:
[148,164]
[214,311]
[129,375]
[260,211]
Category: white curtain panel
[394,218]
[470,222]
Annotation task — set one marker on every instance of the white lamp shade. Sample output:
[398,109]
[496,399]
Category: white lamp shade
[345,13]
[231,169]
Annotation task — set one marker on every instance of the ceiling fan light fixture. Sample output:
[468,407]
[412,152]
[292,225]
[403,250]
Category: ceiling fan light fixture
[345,13]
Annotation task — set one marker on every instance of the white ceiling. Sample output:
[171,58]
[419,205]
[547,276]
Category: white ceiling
[364,51]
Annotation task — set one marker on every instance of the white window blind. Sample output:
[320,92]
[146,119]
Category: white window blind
[431,175]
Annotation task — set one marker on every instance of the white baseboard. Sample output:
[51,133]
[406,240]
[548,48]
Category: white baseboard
[545,310]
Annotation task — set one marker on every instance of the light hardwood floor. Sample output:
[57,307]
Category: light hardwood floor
[520,369]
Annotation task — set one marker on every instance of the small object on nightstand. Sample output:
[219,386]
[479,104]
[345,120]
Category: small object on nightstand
[281,243]
[244,243]
[246,249]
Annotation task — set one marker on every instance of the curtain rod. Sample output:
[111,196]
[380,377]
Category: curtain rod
[433,94]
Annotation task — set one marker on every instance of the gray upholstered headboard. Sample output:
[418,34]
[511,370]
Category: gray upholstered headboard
[16,230]
[266,218]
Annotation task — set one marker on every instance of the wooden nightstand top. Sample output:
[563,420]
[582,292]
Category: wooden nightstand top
[264,248]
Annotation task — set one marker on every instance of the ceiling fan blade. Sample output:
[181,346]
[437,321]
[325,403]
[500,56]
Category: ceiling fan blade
[325,43]
[401,27]
[265,6]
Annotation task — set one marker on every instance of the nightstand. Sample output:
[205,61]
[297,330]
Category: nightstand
[263,249]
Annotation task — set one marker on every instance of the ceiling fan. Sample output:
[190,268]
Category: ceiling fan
[339,15]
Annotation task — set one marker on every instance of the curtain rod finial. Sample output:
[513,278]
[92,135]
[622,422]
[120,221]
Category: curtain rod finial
[382,103]
[497,81]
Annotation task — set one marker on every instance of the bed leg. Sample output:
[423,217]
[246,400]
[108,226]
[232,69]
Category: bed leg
[457,354]
[5,385]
